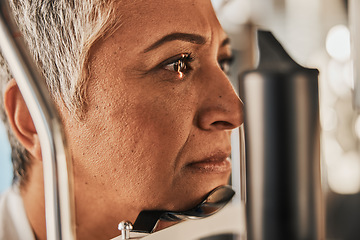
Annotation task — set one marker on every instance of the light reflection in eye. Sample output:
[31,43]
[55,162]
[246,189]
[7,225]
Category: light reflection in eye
[181,74]
[179,64]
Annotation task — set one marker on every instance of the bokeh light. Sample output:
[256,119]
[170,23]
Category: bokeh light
[344,174]
[338,43]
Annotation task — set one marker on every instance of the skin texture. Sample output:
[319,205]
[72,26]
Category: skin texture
[152,137]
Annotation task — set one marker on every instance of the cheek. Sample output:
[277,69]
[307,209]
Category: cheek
[137,143]
[161,128]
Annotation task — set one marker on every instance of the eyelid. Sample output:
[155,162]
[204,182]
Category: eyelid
[175,58]
[229,59]
[225,63]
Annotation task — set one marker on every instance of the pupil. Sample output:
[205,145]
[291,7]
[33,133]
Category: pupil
[179,66]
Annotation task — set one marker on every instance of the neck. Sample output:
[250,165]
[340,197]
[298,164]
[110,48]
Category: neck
[97,219]
[93,220]
[34,201]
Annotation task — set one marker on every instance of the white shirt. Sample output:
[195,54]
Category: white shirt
[14,224]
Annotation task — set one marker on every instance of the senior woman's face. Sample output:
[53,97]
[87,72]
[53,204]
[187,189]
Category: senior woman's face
[160,111]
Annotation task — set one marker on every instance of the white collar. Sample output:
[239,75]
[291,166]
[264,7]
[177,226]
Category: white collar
[14,223]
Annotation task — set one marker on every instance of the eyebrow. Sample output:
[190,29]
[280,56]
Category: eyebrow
[186,37]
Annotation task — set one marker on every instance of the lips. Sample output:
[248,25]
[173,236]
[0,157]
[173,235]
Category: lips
[217,163]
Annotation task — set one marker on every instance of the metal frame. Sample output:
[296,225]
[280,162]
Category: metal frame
[59,200]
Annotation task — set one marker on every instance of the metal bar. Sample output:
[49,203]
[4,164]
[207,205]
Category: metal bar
[59,203]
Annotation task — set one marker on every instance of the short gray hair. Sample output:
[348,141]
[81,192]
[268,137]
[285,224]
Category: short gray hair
[59,35]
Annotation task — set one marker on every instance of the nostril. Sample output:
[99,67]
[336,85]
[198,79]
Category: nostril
[218,119]
[222,125]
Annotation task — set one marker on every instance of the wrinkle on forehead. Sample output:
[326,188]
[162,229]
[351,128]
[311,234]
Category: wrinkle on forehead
[192,16]
[144,22]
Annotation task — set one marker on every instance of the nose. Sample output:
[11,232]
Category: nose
[221,108]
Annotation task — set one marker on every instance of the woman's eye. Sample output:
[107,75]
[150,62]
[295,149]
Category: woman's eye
[225,64]
[179,64]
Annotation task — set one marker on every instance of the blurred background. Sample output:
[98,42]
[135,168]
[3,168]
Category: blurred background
[316,34]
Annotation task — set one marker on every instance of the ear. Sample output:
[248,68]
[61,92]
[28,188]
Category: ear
[20,119]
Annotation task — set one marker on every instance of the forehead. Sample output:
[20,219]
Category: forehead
[152,19]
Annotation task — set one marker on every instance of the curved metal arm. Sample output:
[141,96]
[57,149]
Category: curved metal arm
[56,160]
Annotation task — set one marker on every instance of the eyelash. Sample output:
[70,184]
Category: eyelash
[181,64]
[225,64]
